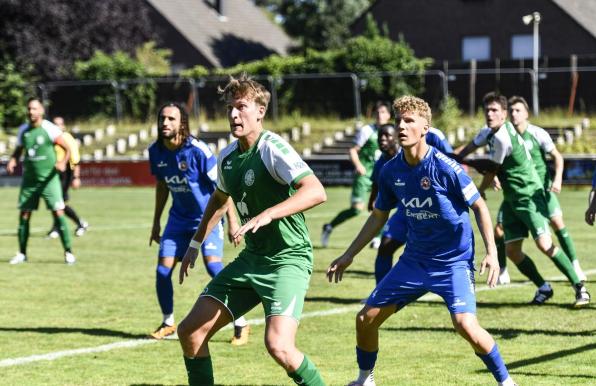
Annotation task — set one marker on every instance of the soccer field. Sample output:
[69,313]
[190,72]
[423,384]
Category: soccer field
[85,324]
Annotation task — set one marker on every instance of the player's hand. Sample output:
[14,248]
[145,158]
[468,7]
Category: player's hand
[591,215]
[60,166]
[336,269]
[76,183]
[188,261]
[232,230]
[361,170]
[155,234]
[490,264]
[556,187]
[11,166]
[254,224]
[496,184]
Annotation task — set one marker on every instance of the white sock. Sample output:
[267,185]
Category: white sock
[364,375]
[507,382]
[168,319]
[240,322]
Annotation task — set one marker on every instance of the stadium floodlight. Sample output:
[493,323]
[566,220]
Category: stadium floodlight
[535,18]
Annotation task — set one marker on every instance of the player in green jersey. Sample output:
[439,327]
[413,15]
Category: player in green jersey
[270,186]
[539,144]
[36,140]
[524,201]
[363,155]
[590,215]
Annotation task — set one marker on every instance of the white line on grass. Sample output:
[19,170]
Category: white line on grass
[140,342]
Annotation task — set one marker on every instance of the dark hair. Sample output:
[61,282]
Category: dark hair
[386,126]
[518,99]
[184,125]
[380,104]
[34,98]
[494,96]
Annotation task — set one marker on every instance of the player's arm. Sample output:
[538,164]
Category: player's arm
[14,159]
[485,226]
[216,208]
[591,211]
[353,153]
[76,176]
[309,193]
[61,164]
[373,195]
[468,149]
[161,198]
[488,179]
[559,165]
[232,220]
[370,229]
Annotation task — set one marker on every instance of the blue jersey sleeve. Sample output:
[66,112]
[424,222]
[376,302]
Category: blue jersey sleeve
[464,187]
[206,161]
[386,198]
[374,177]
[153,161]
[437,139]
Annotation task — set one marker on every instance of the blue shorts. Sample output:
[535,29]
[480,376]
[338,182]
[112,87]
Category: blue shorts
[396,228]
[176,243]
[410,279]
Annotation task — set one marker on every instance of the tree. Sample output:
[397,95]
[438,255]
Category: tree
[318,24]
[14,88]
[50,35]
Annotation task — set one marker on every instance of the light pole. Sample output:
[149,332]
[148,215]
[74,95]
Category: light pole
[534,17]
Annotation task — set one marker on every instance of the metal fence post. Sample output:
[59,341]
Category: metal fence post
[472,106]
[274,106]
[356,92]
[195,97]
[118,102]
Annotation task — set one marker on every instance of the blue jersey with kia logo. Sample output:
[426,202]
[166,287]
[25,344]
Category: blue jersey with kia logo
[190,173]
[435,196]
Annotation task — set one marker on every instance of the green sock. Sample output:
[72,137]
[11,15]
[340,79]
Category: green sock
[529,270]
[200,371]
[501,255]
[307,374]
[344,215]
[23,233]
[64,232]
[566,243]
[564,264]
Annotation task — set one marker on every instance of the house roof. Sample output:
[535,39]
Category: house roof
[582,11]
[243,33]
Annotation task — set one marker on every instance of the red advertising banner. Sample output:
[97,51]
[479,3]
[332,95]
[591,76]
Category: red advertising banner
[116,173]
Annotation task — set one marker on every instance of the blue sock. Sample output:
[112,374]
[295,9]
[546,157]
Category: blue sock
[366,359]
[165,290]
[214,267]
[383,265]
[494,362]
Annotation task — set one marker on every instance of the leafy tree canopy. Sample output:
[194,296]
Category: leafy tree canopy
[50,35]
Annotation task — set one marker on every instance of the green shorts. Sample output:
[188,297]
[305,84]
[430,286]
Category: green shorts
[249,280]
[361,189]
[528,214]
[554,207]
[50,190]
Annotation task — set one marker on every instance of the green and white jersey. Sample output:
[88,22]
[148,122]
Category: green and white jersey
[539,144]
[366,139]
[517,173]
[259,178]
[38,149]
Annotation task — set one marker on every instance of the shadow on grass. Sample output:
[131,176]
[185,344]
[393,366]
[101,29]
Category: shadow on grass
[503,333]
[334,300]
[550,357]
[75,330]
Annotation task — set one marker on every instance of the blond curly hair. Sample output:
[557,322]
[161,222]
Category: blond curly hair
[412,104]
[245,87]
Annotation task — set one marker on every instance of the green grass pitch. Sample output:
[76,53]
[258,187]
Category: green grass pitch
[108,297]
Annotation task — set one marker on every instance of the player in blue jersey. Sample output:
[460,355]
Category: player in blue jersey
[439,254]
[591,211]
[394,232]
[186,168]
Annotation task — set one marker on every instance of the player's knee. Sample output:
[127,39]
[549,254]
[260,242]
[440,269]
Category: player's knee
[466,326]
[163,273]
[278,349]
[365,320]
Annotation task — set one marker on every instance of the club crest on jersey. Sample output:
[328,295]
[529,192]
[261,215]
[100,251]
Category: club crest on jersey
[39,139]
[183,166]
[425,183]
[249,177]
